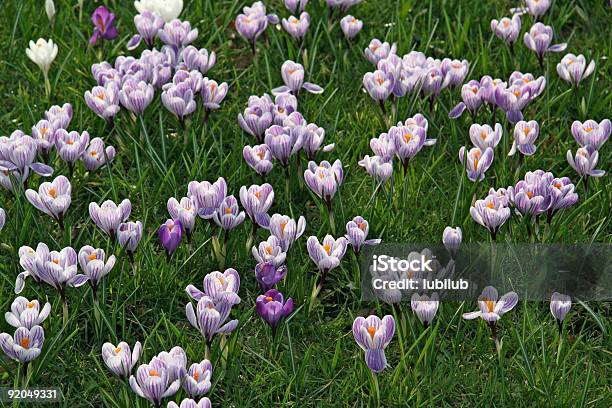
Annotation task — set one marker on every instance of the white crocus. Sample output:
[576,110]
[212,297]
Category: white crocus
[42,53]
[50,9]
[167,9]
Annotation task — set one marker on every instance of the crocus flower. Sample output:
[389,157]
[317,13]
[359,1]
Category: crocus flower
[585,161]
[454,71]
[269,251]
[377,167]
[324,178]
[379,86]
[253,22]
[189,403]
[531,195]
[512,100]
[295,6]
[104,25]
[153,382]
[560,305]
[177,34]
[184,211]
[507,29]
[44,135]
[176,362]
[357,233]
[408,140]
[297,27]
[109,215]
[25,345]
[213,94]
[2,218]
[259,158]
[210,317]
[483,136]
[129,235]
[256,201]
[148,25]
[491,213]
[373,335]
[383,146]
[293,77]
[268,274]
[170,234]
[28,259]
[272,307]
[59,269]
[573,69]
[228,216]
[104,100]
[350,26]
[97,154]
[207,196]
[50,9]
[561,191]
[328,254]
[378,50]
[167,9]
[136,96]
[71,145]
[525,134]
[94,264]
[25,313]
[286,229]
[476,161]
[492,309]
[52,198]
[121,359]
[220,287]
[591,133]
[42,53]
[313,139]
[200,60]
[179,99]
[284,105]
[534,85]
[451,238]
[425,307]
[537,8]
[257,117]
[538,40]
[17,155]
[471,93]
[283,142]
[197,379]
[59,116]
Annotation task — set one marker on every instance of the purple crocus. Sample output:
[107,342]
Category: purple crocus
[269,251]
[189,403]
[44,135]
[284,105]
[471,93]
[531,196]
[109,215]
[377,167]
[71,145]
[357,233]
[25,345]
[212,94]
[454,71]
[28,259]
[491,213]
[324,179]
[52,198]
[179,99]
[94,264]
[207,196]
[228,216]
[259,158]
[197,379]
[425,307]
[525,134]
[154,381]
[297,27]
[377,51]
[313,139]
[283,142]
[574,69]
[59,269]
[97,154]
[293,77]
[136,96]
[256,201]
[253,22]
[538,40]
[2,218]
[286,229]
[170,234]
[537,8]
[476,161]
[177,34]
[451,238]
[59,116]
[210,317]
[483,136]
[25,313]
[383,146]
[379,86]
[129,235]
[104,100]
[591,133]
[121,359]
[585,161]
[272,307]
[561,191]
[560,306]
[295,6]
[17,155]
[350,26]
[512,100]
[507,29]
[200,60]
[326,255]
[148,25]
[184,211]
[268,274]
[408,141]
[373,335]
[104,25]
[218,286]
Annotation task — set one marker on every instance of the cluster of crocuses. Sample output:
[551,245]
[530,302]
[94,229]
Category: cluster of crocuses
[177,69]
[405,140]
[591,136]
[163,376]
[396,76]
[538,193]
[512,96]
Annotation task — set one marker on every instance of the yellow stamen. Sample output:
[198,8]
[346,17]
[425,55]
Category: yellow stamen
[372,331]
[92,256]
[327,248]
[269,299]
[25,343]
[154,373]
[118,350]
[53,192]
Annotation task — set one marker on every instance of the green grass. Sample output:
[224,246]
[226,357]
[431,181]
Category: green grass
[315,361]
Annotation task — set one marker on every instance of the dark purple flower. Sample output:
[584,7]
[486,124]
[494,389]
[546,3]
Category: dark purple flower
[272,307]
[104,25]
[269,275]
[170,234]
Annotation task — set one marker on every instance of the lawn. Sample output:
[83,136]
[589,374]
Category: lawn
[313,360]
